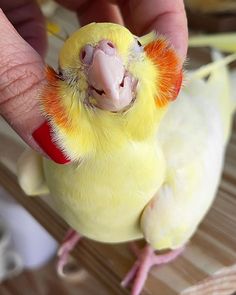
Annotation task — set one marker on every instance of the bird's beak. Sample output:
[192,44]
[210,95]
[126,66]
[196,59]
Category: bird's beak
[111,86]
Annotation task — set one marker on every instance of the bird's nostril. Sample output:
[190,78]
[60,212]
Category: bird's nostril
[122,82]
[110,44]
[83,54]
[107,46]
[86,54]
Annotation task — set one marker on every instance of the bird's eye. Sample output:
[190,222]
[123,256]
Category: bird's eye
[139,43]
[138,46]
[60,71]
[86,54]
[107,46]
[60,74]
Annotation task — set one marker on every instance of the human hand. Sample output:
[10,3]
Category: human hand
[167,17]
[22,68]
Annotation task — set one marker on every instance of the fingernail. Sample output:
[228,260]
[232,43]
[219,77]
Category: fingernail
[178,85]
[43,137]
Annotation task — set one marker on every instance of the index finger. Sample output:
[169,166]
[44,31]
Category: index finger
[166,17]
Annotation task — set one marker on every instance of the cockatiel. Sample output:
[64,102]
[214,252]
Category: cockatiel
[134,167]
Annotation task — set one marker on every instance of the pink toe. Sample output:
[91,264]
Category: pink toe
[130,275]
[168,257]
[69,242]
[146,259]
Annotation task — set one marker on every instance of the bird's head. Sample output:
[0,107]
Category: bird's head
[109,79]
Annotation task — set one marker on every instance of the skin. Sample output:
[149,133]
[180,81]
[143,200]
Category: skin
[23,45]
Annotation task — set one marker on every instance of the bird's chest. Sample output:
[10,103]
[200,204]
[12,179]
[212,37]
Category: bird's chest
[107,192]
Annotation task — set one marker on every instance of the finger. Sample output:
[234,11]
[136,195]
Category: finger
[21,81]
[21,77]
[165,17]
[94,11]
[27,18]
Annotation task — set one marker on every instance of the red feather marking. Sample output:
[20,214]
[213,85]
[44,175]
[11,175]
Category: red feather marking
[51,101]
[169,68]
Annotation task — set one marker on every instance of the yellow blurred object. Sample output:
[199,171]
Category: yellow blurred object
[225,42]
[53,28]
[48,7]
[211,6]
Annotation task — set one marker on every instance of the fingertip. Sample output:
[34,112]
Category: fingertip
[44,137]
[27,19]
[175,31]
[166,17]
[180,44]
[99,11]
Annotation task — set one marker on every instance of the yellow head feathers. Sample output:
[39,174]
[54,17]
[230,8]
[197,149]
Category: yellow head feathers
[148,71]
[92,34]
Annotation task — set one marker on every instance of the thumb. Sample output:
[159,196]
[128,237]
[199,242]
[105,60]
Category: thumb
[21,80]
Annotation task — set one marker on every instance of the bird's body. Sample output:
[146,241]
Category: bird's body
[121,183]
[124,181]
[138,167]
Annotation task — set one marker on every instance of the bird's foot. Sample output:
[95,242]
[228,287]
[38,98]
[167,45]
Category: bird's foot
[68,244]
[146,259]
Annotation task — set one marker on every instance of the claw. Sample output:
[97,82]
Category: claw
[146,259]
[68,244]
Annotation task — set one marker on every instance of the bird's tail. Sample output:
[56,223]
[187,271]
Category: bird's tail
[220,89]
[225,42]
[233,87]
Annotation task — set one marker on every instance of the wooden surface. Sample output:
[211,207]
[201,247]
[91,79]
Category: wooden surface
[44,281]
[209,262]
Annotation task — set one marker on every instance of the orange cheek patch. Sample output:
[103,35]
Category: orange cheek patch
[169,70]
[51,101]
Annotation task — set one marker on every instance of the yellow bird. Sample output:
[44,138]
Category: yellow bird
[134,167]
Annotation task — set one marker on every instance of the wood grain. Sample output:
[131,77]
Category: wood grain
[44,281]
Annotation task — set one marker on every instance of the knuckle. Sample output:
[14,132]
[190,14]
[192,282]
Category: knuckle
[17,83]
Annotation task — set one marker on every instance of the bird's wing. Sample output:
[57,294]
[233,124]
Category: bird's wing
[193,141]
[30,174]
